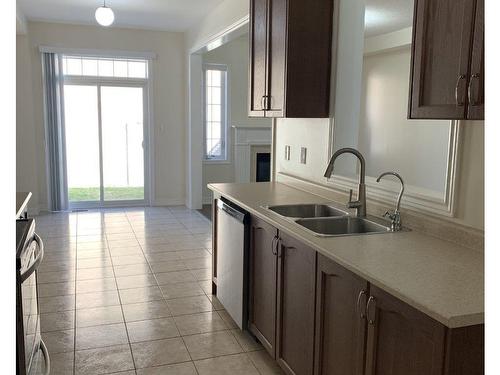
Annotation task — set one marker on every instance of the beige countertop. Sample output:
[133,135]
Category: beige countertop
[439,278]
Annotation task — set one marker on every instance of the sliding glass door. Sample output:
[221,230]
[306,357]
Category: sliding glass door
[122,140]
[81,112]
[104,132]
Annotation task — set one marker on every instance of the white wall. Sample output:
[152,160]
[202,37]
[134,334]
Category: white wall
[228,15]
[27,153]
[168,99]
[314,134]
[235,55]
[221,17]
[387,139]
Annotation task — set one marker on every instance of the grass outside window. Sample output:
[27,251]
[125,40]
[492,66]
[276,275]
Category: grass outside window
[80,194]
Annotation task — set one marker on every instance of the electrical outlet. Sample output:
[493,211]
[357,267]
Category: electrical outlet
[287,152]
[303,155]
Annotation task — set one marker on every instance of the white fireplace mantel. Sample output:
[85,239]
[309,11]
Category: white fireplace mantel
[244,138]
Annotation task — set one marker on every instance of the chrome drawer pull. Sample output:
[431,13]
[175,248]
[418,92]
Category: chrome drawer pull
[457,85]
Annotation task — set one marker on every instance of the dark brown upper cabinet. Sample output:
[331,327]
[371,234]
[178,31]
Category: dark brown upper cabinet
[290,58]
[475,90]
[447,70]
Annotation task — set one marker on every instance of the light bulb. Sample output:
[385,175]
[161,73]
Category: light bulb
[104,16]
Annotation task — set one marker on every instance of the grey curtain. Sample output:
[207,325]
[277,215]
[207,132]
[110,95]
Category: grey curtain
[54,133]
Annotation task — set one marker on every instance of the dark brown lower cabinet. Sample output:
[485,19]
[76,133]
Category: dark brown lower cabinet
[362,330]
[402,340]
[296,306]
[263,279]
[340,320]
[316,317]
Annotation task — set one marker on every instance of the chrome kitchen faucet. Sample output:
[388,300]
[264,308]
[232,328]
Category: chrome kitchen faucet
[360,204]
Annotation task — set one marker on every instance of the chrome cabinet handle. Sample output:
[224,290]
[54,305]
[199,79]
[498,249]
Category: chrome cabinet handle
[273,246]
[457,86]
[469,89]
[263,102]
[371,316]
[362,313]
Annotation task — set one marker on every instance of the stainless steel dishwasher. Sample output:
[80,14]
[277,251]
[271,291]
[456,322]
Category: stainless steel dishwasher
[232,255]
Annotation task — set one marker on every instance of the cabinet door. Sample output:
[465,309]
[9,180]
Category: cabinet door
[276,58]
[263,275]
[296,306]
[442,33]
[476,83]
[258,56]
[402,340]
[340,320]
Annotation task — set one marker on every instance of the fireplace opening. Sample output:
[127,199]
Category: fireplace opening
[263,167]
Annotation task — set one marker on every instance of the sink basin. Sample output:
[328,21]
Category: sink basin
[341,226]
[306,210]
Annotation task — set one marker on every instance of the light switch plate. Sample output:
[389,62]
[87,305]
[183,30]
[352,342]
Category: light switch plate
[287,152]
[303,155]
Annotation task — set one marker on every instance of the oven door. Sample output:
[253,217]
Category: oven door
[31,259]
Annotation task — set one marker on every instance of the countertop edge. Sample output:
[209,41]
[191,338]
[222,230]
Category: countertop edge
[22,199]
[456,321]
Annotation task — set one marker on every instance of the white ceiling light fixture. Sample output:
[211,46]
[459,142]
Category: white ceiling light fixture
[104,15]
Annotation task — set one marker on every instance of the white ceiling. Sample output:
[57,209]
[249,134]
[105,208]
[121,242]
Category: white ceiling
[385,16]
[170,15]
[381,16]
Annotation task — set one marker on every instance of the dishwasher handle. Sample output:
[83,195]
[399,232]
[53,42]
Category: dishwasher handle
[231,211]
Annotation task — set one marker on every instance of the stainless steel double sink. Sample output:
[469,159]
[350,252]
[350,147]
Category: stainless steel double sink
[327,221]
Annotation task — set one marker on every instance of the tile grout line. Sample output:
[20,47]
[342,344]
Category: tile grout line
[119,297]
[74,311]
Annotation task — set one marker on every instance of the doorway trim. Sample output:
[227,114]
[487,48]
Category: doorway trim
[194,178]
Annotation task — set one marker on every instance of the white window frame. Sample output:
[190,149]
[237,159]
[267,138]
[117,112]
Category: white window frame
[104,77]
[224,115]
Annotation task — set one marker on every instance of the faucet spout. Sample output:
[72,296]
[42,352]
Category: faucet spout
[360,204]
[395,217]
[348,150]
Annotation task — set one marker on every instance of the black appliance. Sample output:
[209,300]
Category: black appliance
[30,348]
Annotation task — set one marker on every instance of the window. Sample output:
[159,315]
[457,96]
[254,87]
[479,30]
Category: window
[214,116]
[104,67]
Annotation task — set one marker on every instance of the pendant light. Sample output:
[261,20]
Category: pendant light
[104,15]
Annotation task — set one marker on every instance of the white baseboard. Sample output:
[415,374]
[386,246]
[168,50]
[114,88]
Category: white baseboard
[168,202]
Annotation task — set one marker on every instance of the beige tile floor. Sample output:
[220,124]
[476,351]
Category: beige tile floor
[128,291]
